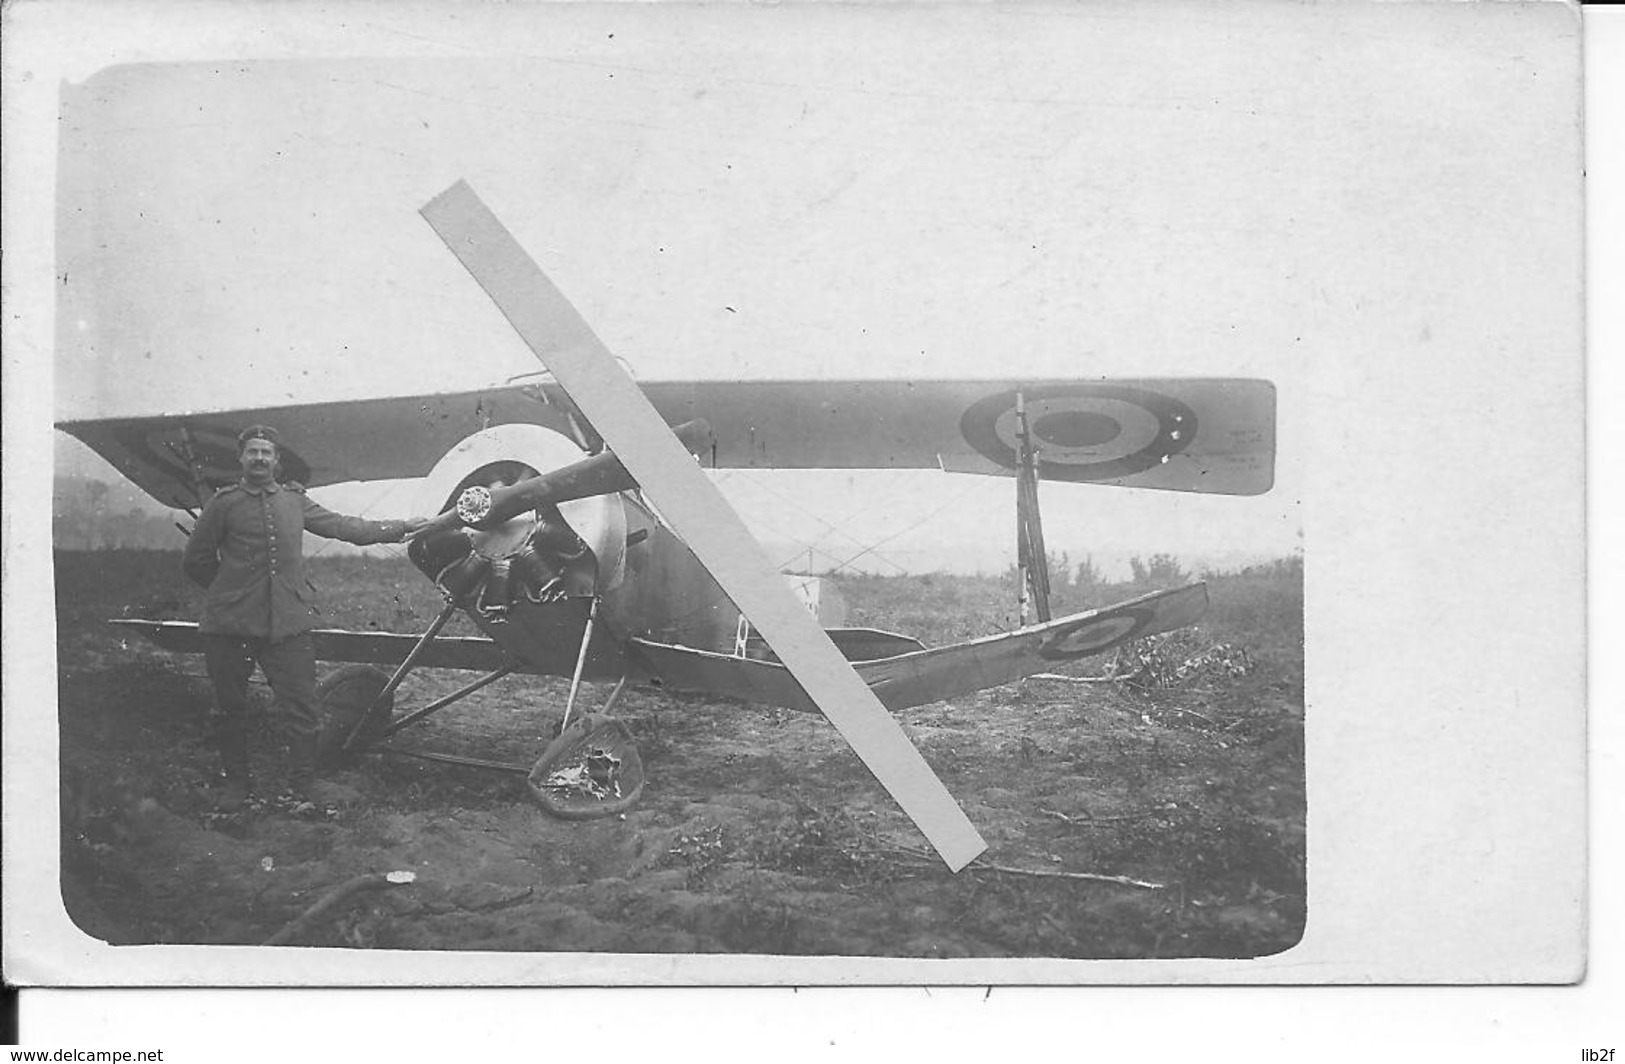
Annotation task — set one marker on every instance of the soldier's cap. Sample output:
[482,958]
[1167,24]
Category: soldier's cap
[258,432]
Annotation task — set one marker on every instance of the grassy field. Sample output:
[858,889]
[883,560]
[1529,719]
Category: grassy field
[1178,767]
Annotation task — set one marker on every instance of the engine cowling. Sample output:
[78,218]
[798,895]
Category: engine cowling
[556,551]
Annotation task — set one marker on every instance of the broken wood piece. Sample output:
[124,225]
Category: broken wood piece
[1091,877]
[1088,821]
[333,898]
[508,902]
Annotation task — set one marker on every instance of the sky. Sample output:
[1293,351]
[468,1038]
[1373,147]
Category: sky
[961,192]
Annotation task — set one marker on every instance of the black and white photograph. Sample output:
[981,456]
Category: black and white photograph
[667,493]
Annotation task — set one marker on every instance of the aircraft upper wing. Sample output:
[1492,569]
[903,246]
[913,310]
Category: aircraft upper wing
[1212,435]
[324,443]
[1179,434]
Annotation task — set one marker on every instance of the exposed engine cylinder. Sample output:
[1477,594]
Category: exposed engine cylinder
[553,552]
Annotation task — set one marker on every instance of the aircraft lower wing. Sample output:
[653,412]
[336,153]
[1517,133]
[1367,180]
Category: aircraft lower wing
[480,654]
[946,672]
[936,674]
[902,680]
[370,648]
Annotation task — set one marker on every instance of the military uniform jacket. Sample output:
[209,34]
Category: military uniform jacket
[247,549]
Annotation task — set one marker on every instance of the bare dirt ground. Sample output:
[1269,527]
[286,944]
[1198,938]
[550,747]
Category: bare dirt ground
[759,831]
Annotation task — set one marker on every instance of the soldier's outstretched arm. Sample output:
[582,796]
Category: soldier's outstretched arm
[358,530]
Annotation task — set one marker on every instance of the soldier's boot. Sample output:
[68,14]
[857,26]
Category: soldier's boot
[233,742]
[302,750]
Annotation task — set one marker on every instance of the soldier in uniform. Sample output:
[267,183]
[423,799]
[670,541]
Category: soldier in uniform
[246,550]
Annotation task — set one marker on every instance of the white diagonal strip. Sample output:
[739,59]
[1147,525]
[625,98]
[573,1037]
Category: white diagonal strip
[696,510]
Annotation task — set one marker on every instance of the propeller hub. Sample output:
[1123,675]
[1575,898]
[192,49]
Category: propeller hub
[473,504]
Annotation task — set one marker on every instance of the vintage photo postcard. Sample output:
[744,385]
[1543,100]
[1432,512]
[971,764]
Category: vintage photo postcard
[602,494]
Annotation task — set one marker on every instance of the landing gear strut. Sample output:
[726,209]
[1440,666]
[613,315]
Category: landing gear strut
[591,769]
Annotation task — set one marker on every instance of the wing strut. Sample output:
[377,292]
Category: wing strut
[695,509]
[1032,559]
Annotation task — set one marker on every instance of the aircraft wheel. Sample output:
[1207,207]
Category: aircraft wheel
[342,696]
[591,771]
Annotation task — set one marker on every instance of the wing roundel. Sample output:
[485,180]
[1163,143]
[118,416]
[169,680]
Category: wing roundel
[1084,431]
[1196,434]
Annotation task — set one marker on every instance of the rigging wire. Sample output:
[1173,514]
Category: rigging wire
[830,526]
[817,543]
[870,548]
[812,548]
[959,497]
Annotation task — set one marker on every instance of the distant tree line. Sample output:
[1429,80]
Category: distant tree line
[1084,581]
[1160,570]
[85,515]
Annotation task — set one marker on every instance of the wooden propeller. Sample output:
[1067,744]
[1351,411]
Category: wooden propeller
[694,508]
